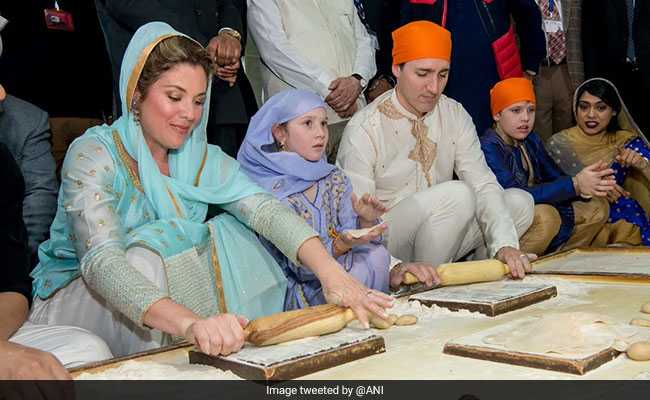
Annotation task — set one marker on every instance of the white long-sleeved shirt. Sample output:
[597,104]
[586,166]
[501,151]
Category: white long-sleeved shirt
[307,44]
[375,155]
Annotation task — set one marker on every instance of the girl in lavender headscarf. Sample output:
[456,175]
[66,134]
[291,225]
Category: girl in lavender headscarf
[284,152]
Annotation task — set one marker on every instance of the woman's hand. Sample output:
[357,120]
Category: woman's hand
[220,334]
[616,193]
[595,180]
[368,208]
[631,158]
[342,289]
[426,273]
[339,287]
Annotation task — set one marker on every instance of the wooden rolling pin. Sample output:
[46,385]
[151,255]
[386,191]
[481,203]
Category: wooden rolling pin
[298,324]
[291,325]
[462,273]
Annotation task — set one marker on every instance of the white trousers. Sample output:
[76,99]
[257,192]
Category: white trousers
[77,305]
[72,346]
[439,225]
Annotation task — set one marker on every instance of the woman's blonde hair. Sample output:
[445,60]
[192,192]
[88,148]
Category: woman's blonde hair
[169,53]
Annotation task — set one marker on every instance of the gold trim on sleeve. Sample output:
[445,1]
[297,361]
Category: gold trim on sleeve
[218,280]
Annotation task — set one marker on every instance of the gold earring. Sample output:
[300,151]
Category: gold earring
[283,146]
[135,110]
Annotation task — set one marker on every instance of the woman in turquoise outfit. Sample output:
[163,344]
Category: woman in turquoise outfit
[130,257]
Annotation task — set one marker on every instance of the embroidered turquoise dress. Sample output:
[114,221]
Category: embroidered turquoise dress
[113,197]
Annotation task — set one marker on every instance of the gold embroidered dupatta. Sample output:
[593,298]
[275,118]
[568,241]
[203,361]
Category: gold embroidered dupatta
[573,150]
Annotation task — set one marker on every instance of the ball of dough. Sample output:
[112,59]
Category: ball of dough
[640,322]
[646,308]
[406,319]
[639,351]
[379,323]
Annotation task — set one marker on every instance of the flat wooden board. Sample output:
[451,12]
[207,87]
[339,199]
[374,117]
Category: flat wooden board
[624,262]
[295,359]
[571,366]
[475,346]
[101,366]
[490,298]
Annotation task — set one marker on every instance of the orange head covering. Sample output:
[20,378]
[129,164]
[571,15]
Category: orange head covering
[510,91]
[421,39]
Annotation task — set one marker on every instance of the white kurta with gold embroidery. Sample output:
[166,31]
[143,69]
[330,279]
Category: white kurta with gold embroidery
[391,153]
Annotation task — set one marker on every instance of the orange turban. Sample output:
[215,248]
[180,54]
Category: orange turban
[421,39]
[510,91]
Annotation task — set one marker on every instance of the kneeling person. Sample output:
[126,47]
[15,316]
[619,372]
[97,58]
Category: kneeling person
[566,215]
[405,147]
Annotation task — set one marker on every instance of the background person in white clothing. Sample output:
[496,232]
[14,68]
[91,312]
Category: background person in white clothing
[318,45]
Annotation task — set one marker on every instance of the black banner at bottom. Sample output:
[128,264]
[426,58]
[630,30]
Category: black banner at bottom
[295,390]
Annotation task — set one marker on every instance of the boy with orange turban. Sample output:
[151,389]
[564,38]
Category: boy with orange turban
[405,147]
[566,215]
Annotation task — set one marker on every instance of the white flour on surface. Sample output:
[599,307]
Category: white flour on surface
[643,376]
[150,370]
[402,306]
[569,293]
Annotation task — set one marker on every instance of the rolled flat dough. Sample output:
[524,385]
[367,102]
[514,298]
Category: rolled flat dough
[357,233]
[568,335]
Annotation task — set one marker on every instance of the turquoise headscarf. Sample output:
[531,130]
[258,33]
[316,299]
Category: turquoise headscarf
[200,174]
[213,266]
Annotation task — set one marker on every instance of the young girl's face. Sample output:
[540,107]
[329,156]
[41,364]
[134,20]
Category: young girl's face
[306,135]
[517,120]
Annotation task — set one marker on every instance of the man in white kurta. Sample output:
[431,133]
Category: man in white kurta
[318,45]
[406,146]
